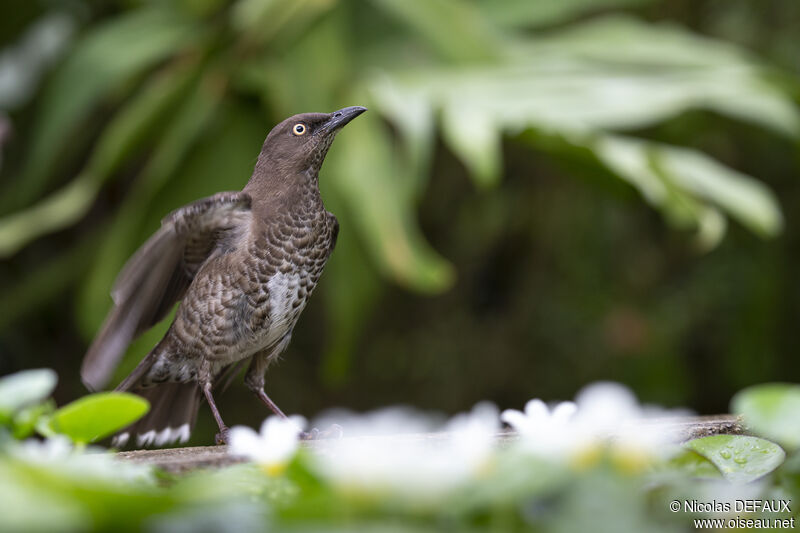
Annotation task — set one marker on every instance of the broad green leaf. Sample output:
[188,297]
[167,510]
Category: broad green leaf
[101,61]
[599,77]
[412,113]
[660,70]
[25,388]
[585,81]
[456,30]
[771,410]
[689,186]
[99,415]
[473,135]
[749,201]
[741,459]
[60,209]
[264,20]
[128,129]
[525,13]
[695,465]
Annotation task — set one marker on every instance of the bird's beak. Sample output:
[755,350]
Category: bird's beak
[340,118]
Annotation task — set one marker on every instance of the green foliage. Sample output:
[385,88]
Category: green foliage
[25,408]
[51,485]
[522,13]
[694,464]
[97,416]
[771,410]
[100,63]
[741,459]
[579,84]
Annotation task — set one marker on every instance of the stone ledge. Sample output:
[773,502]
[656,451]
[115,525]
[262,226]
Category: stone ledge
[180,460]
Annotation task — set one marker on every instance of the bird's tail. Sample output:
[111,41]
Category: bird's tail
[173,408]
[173,411]
[172,414]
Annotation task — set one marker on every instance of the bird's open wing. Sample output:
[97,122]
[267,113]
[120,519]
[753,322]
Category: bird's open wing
[159,273]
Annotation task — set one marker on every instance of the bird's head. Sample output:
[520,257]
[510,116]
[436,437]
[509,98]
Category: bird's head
[298,145]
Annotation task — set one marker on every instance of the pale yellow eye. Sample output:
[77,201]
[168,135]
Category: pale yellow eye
[299,129]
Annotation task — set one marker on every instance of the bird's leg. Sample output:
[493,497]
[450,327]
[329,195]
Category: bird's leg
[254,379]
[204,379]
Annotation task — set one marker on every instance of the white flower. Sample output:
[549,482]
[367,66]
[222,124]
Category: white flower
[273,447]
[414,468]
[546,431]
[54,449]
[84,464]
[604,416]
[473,435]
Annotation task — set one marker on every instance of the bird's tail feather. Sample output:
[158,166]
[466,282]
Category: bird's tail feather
[133,380]
[173,411]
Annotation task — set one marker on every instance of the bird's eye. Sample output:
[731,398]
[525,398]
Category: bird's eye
[299,129]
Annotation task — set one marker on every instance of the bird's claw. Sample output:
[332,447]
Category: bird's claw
[333,432]
[223,437]
[313,434]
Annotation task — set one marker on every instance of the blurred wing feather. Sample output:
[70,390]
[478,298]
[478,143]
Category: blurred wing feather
[159,273]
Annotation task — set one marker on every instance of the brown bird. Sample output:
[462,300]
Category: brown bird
[242,264]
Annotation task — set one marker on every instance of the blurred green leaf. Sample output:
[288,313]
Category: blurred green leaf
[412,113]
[521,13]
[263,20]
[456,30]
[476,139]
[677,70]
[691,463]
[771,410]
[101,61]
[306,75]
[25,388]
[128,129]
[60,209]
[99,415]
[741,459]
[685,183]
[586,80]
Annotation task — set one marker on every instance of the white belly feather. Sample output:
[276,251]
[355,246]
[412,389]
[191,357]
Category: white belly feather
[283,293]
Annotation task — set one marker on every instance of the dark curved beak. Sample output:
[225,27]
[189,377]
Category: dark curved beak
[340,118]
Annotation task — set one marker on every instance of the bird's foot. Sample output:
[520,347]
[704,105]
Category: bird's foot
[312,434]
[333,432]
[223,437]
